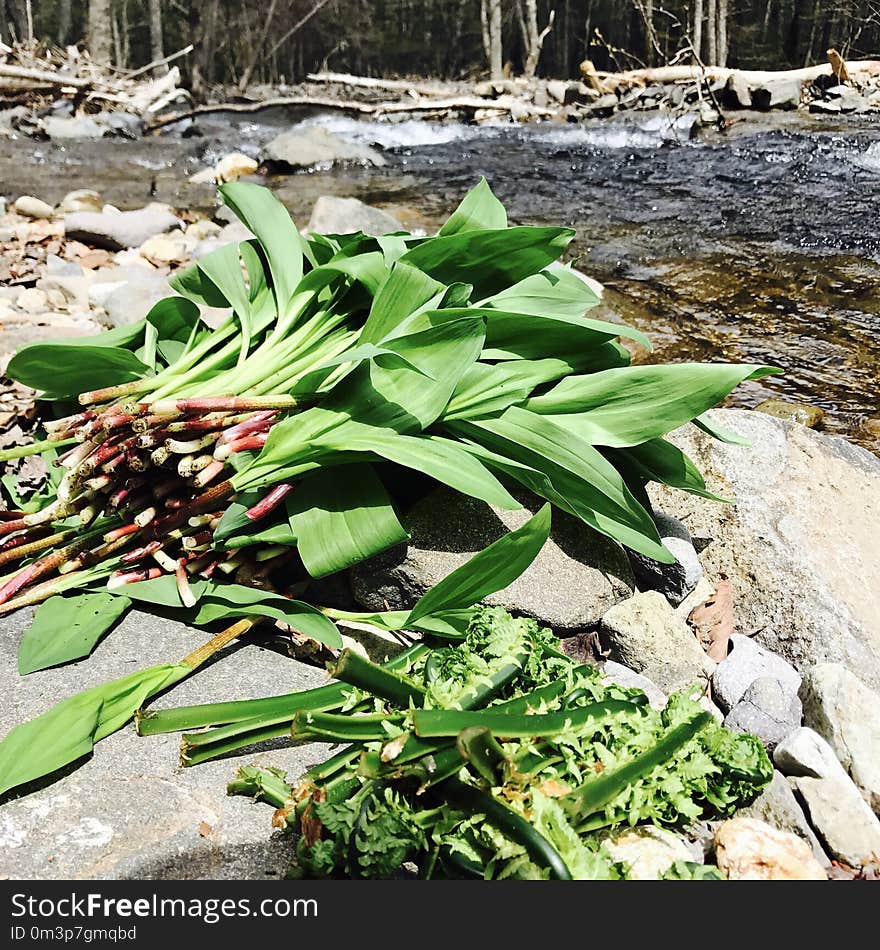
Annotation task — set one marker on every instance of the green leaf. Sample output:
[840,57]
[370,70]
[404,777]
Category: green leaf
[70,729]
[479,210]
[661,461]
[489,389]
[175,318]
[196,286]
[67,628]
[721,433]
[65,373]
[498,565]
[267,218]
[406,289]
[223,268]
[490,260]
[343,516]
[623,407]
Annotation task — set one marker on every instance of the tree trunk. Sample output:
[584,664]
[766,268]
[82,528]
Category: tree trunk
[698,28]
[100,31]
[712,32]
[156,49]
[491,15]
[63,32]
[533,41]
[722,32]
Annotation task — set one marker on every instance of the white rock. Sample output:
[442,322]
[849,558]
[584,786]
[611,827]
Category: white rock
[750,850]
[165,249]
[202,229]
[332,215]
[31,207]
[805,752]
[844,822]
[846,713]
[746,662]
[83,199]
[232,167]
[647,851]
[32,300]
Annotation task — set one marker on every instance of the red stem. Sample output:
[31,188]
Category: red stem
[270,502]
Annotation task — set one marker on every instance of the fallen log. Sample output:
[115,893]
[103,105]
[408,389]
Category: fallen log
[44,77]
[464,103]
[391,85]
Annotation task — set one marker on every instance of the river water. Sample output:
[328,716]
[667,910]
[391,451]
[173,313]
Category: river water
[761,244]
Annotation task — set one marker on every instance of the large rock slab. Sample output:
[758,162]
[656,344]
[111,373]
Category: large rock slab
[846,826]
[846,713]
[577,576]
[800,545]
[117,230]
[129,810]
[645,634]
[306,147]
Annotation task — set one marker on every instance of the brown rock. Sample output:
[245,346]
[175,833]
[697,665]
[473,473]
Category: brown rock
[809,416]
[750,850]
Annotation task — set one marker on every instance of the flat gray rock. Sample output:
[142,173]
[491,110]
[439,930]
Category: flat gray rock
[645,634]
[577,576]
[746,662]
[306,147]
[778,806]
[800,544]
[334,215]
[805,752]
[117,230]
[129,810]
[767,710]
[846,713]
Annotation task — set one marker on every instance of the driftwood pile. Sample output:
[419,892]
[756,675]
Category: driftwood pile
[45,79]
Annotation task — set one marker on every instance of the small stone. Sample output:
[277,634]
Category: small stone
[805,752]
[32,300]
[645,634]
[647,851]
[232,167]
[57,300]
[847,714]
[204,176]
[746,662]
[809,416]
[83,199]
[624,676]
[778,806]
[604,105]
[306,147]
[31,207]
[848,829]
[202,230]
[674,581]
[750,850]
[767,710]
[165,249]
[332,215]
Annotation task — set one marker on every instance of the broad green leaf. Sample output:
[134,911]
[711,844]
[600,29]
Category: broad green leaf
[70,729]
[479,210]
[344,515]
[498,565]
[223,268]
[175,318]
[67,628]
[592,487]
[487,390]
[490,260]
[253,262]
[623,407]
[52,368]
[192,283]
[661,461]
[405,290]
[267,218]
[553,292]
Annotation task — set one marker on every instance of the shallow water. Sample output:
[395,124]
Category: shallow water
[761,244]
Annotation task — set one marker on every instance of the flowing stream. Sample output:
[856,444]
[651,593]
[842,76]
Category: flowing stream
[761,244]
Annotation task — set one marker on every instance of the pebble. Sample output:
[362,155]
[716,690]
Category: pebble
[750,850]
[31,207]
[809,416]
[623,676]
[83,199]
[675,581]
[32,300]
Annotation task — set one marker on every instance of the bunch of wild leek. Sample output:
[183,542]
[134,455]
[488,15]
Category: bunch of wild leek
[227,453]
[497,757]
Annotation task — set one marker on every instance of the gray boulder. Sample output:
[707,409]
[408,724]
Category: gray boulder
[799,545]
[116,230]
[767,710]
[779,93]
[848,829]
[129,811]
[577,576]
[847,714]
[304,148]
[645,634]
[73,127]
[805,752]
[332,215]
[746,662]
[778,806]
[674,581]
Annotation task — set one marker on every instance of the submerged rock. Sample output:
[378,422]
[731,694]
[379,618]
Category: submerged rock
[809,416]
[847,714]
[805,575]
[332,215]
[577,576]
[750,850]
[645,634]
[303,148]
